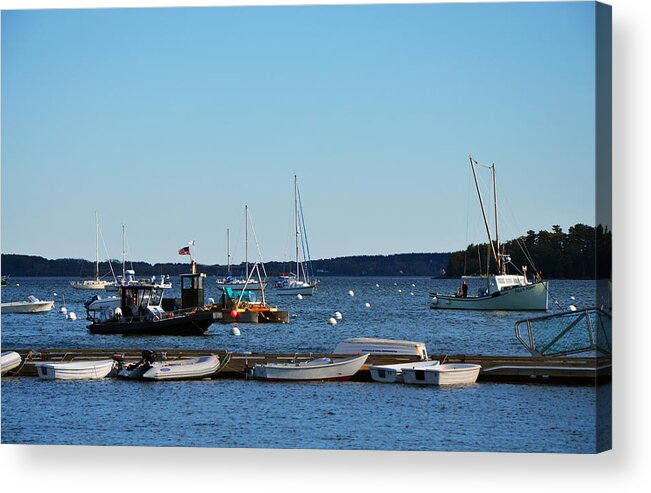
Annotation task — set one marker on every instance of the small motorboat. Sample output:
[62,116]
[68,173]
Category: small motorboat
[393,373]
[32,305]
[445,374]
[150,368]
[8,361]
[319,369]
[372,345]
[76,370]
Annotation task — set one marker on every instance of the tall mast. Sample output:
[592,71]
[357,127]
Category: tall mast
[296,223]
[483,211]
[124,256]
[96,246]
[497,228]
[246,239]
[228,251]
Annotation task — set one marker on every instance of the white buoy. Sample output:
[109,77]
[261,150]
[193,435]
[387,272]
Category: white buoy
[17,284]
[400,290]
[377,285]
[412,293]
[63,310]
[299,296]
[235,331]
[211,301]
[54,294]
[332,321]
[572,308]
[71,316]
[413,285]
[351,292]
[367,305]
[395,283]
[572,298]
[338,315]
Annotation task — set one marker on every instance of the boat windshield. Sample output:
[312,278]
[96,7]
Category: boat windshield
[156,297]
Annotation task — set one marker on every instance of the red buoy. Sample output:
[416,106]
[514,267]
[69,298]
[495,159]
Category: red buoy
[233,313]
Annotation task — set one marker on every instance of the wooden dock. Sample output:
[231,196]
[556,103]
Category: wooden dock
[506,369]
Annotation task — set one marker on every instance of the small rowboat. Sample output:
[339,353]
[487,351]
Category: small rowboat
[446,374]
[77,370]
[394,373]
[8,361]
[183,369]
[319,369]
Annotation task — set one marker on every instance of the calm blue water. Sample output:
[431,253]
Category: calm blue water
[233,413]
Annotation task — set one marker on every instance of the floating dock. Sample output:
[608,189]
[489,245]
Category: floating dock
[503,369]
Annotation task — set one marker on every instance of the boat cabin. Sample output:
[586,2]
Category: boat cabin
[192,290]
[499,283]
[140,299]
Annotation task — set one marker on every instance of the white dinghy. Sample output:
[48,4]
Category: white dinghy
[183,369]
[393,373]
[8,361]
[319,369]
[76,370]
[446,374]
[32,305]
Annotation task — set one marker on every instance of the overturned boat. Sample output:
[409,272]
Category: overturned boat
[9,360]
[376,346]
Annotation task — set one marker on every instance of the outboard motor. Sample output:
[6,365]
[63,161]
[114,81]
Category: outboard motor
[149,356]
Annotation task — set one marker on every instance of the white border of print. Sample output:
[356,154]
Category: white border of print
[77,469]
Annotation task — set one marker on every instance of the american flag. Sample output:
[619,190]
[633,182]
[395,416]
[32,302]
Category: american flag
[184,251]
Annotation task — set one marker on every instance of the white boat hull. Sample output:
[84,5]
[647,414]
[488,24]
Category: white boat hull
[8,361]
[307,290]
[446,374]
[532,297]
[89,284]
[394,373]
[370,345]
[183,369]
[341,369]
[26,306]
[77,370]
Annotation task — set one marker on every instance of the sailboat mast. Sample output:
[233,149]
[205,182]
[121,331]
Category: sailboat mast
[246,240]
[96,246]
[228,251]
[497,227]
[483,211]
[296,223]
[124,255]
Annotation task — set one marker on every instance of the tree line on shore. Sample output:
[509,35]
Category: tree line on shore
[583,252]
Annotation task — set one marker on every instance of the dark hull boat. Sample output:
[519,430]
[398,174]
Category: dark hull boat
[191,324]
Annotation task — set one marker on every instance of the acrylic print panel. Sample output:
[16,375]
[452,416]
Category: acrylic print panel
[452,293]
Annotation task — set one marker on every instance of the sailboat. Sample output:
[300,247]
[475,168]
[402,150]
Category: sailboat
[499,291]
[95,283]
[237,283]
[302,281]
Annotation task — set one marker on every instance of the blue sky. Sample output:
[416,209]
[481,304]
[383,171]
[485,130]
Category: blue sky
[170,120]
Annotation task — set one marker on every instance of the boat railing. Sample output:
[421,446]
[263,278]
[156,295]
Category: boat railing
[566,333]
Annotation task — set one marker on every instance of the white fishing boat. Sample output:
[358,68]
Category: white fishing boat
[500,290]
[393,373]
[76,370]
[32,305]
[371,345]
[319,369]
[9,360]
[302,281]
[445,374]
[96,283]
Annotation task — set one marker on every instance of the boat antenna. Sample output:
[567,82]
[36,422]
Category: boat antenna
[228,250]
[483,211]
[257,246]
